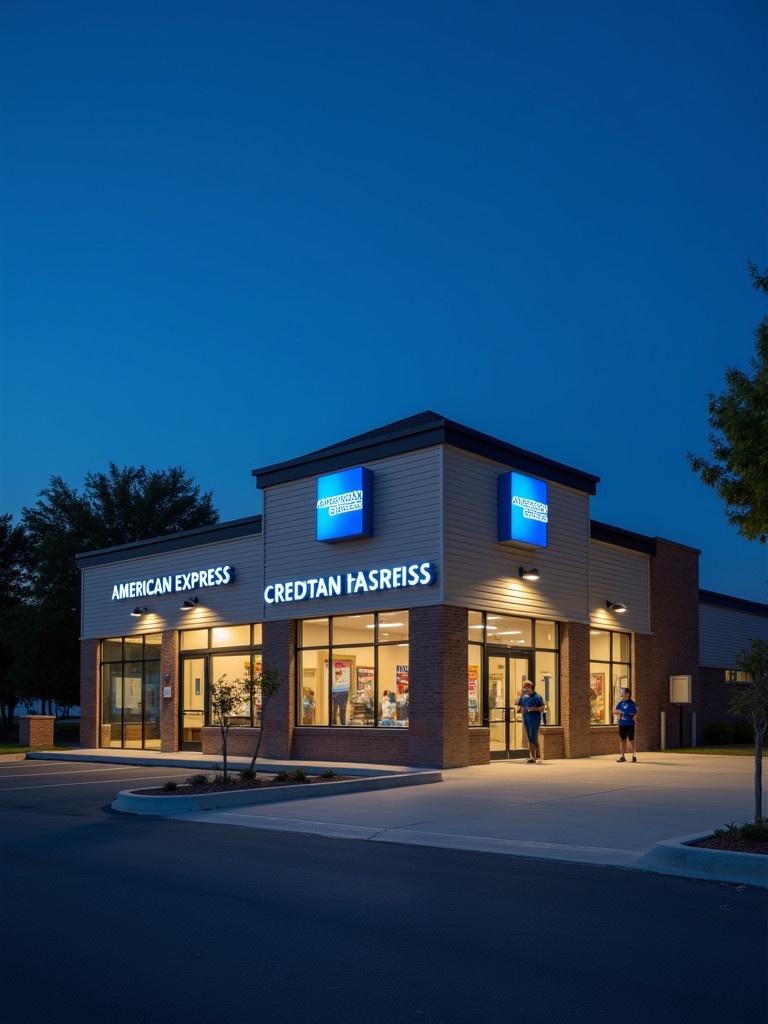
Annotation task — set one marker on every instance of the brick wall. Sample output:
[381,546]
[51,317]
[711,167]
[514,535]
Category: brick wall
[279,652]
[479,745]
[574,688]
[36,731]
[89,693]
[377,746]
[674,647]
[169,676]
[552,741]
[439,726]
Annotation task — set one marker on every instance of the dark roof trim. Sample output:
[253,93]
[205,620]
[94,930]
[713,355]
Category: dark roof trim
[172,542]
[738,604]
[622,538]
[422,431]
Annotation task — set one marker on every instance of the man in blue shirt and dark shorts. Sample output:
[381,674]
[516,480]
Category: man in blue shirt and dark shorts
[532,707]
[626,709]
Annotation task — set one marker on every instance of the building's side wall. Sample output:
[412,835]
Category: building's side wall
[619,575]
[229,604]
[724,632]
[481,573]
[407,528]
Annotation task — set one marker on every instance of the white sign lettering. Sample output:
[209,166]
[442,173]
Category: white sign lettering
[361,581]
[218,576]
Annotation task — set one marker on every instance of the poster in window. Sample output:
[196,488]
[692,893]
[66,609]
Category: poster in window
[401,678]
[473,678]
[597,696]
[342,675]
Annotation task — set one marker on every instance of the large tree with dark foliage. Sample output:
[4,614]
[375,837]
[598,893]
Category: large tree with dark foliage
[738,468]
[117,507]
[14,586]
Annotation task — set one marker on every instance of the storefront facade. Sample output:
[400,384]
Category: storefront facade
[404,584]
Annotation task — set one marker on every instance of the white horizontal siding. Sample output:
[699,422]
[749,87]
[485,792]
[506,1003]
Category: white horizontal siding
[723,632]
[618,574]
[231,604]
[407,516]
[482,573]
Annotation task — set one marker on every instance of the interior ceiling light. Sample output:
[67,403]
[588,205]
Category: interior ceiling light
[528,574]
[616,606]
[190,603]
[138,612]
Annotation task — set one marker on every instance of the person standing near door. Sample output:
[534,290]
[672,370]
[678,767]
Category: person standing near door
[532,705]
[626,709]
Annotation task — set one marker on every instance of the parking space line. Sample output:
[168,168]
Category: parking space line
[95,782]
[76,771]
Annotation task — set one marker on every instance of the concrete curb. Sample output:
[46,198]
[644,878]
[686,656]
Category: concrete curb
[676,857]
[131,802]
[235,764]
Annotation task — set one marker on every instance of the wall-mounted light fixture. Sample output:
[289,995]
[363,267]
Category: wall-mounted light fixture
[138,612]
[190,603]
[616,606]
[528,574]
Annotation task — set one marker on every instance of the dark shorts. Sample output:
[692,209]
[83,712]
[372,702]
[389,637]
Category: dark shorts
[627,732]
[532,727]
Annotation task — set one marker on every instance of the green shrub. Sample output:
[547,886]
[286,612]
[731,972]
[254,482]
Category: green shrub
[170,786]
[247,775]
[298,776]
[197,780]
[329,773]
[281,777]
[753,831]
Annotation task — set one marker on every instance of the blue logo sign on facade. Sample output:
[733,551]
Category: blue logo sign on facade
[345,505]
[523,509]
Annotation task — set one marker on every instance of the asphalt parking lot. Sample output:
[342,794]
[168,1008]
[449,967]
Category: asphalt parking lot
[133,919]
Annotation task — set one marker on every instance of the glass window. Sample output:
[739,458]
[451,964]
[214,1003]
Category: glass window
[231,636]
[362,680]
[313,688]
[621,647]
[234,666]
[599,645]
[610,669]
[112,650]
[314,633]
[353,629]
[546,634]
[475,626]
[475,684]
[194,640]
[393,686]
[393,626]
[133,648]
[509,632]
[152,643]
[257,631]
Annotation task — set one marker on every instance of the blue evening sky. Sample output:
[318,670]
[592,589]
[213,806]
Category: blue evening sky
[233,232]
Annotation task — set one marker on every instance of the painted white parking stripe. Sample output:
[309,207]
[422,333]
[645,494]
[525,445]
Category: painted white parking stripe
[96,782]
[76,771]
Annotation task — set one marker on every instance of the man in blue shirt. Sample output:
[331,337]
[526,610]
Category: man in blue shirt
[626,709]
[532,706]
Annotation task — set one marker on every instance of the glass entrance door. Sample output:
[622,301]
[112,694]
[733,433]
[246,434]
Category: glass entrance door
[506,674]
[193,691]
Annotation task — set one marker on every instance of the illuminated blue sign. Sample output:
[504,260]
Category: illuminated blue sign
[523,509]
[344,505]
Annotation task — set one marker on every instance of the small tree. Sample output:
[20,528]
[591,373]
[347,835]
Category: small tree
[227,696]
[267,681]
[752,702]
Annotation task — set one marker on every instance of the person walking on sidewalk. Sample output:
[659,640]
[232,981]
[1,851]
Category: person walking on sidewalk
[532,706]
[626,709]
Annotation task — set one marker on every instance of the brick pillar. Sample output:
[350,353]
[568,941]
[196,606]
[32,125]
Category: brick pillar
[169,676]
[574,688]
[647,729]
[675,639]
[89,694]
[438,732]
[279,652]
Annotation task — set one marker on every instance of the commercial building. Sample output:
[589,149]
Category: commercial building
[404,583]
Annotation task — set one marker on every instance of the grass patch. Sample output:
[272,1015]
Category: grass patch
[14,748]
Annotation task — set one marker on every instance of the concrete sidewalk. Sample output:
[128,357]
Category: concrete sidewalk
[591,811]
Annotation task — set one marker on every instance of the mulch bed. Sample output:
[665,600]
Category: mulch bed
[732,843]
[260,782]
